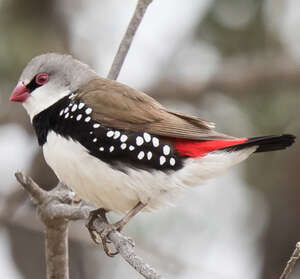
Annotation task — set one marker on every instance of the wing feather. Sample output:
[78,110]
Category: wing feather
[117,105]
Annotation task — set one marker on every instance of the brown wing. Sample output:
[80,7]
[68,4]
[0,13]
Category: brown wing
[119,106]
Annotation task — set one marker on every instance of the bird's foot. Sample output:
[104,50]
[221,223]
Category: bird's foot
[118,226]
[94,214]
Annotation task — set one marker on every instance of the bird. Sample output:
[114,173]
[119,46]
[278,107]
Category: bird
[117,147]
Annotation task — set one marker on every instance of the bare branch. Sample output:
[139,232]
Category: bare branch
[38,194]
[55,210]
[57,255]
[128,38]
[125,247]
[292,261]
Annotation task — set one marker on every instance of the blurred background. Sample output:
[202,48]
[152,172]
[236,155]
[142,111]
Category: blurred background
[234,62]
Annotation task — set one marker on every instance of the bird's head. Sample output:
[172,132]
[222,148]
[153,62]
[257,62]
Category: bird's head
[48,78]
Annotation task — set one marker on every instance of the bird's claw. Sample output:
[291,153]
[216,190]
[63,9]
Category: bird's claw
[103,236]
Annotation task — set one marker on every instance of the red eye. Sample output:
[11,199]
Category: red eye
[41,79]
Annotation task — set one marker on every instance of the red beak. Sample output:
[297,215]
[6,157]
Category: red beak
[20,93]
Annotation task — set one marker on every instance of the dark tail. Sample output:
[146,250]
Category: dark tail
[266,143]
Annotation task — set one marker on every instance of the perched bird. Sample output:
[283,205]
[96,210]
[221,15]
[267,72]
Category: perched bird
[117,147]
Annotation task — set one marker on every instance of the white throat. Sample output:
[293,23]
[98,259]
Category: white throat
[42,98]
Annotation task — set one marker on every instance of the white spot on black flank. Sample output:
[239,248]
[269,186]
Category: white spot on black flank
[87,119]
[139,141]
[81,105]
[155,141]
[74,107]
[66,110]
[172,161]
[149,155]
[79,116]
[141,155]
[101,148]
[109,134]
[147,137]
[111,149]
[131,147]
[88,111]
[123,138]
[67,115]
[96,125]
[166,149]
[117,134]
[123,146]
[61,112]
[91,132]
[95,140]
[162,160]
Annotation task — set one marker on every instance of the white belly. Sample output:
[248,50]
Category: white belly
[103,186]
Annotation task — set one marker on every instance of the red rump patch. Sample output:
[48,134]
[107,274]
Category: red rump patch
[193,148]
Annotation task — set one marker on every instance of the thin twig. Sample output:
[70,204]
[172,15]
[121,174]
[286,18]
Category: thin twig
[37,194]
[292,261]
[55,210]
[126,250]
[125,247]
[128,38]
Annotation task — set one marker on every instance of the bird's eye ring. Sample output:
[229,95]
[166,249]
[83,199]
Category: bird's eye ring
[41,79]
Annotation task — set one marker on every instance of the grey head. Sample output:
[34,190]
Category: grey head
[64,76]
[64,70]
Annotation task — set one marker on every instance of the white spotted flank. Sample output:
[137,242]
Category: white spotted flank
[81,105]
[96,125]
[79,116]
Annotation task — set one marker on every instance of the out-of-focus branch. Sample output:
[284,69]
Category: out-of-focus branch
[55,210]
[235,77]
[128,38]
[292,261]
